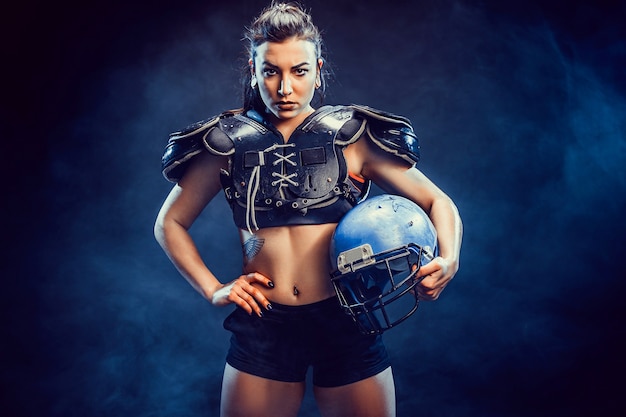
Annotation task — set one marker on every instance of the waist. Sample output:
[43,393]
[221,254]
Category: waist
[298,291]
[296,259]
[329,303]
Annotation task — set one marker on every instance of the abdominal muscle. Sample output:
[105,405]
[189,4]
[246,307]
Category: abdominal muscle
[294,257]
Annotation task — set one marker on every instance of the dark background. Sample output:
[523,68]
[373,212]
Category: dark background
[521,110]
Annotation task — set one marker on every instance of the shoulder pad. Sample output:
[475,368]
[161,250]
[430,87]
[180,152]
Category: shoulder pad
[192,140]
[235,127]
[338,119]
[390,132]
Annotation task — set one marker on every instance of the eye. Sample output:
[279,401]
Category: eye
[268,72]
[301,71]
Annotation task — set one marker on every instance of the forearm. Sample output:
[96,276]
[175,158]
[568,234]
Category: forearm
[445,217]
[182,251]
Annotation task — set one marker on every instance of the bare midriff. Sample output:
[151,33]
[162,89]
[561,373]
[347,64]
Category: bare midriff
[296,259]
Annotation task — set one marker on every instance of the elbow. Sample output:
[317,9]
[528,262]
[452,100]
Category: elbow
[167,230]
[159,229]
[441,203]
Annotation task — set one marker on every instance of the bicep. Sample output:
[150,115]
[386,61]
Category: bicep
[198,186]
[396,176]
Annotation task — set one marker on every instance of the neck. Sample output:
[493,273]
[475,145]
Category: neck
[287,126]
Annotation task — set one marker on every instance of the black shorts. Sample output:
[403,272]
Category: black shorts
[283,343]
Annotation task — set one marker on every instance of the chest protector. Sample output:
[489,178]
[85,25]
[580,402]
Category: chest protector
[273,183]
[305,180]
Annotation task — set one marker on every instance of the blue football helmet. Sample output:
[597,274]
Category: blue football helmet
[376,250]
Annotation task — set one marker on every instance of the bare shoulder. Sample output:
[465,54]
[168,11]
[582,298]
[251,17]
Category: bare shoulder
[204,171]
[199,184]
[367,160]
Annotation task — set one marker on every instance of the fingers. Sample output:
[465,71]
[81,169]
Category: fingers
[431,267]
[429,289]
[434,279]
[247,296]
[260,278]
[428,294]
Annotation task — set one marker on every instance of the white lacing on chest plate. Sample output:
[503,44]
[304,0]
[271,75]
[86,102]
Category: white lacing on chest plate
[281,181]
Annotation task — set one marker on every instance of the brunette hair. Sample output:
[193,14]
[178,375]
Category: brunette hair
[276,23]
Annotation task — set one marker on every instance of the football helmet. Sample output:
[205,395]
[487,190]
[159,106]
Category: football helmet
[376,251]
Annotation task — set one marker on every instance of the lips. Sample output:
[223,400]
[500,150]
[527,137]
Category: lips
[286,105]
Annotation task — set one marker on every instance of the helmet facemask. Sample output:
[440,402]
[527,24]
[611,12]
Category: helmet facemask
[376,252]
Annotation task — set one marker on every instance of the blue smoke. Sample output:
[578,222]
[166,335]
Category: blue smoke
[521,123]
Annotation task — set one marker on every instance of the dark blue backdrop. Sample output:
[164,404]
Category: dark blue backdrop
[521,109]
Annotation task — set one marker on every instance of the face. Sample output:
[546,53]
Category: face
[287,74]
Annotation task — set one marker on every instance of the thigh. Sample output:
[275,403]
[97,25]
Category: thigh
[248,395]
[343,355]
[272,347]
[370,397]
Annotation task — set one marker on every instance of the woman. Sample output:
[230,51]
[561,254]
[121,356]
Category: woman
[288,185]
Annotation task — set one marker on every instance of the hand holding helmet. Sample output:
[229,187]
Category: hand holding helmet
[433,279]
[378,253]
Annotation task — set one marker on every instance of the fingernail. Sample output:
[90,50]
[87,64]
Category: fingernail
[269,306]
[260,314]
[270,284]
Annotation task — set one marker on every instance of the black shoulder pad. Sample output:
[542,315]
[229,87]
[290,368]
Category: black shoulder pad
[192,140]
[339,119]
[390,132]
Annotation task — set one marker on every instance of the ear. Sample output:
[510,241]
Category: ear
[318,77]
[253,81]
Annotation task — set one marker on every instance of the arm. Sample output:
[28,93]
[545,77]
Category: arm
[398,177]
[183,205]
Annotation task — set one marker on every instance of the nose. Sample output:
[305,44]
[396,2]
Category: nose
[285,87]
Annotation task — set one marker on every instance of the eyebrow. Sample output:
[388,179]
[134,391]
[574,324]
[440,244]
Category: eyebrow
[265,63]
